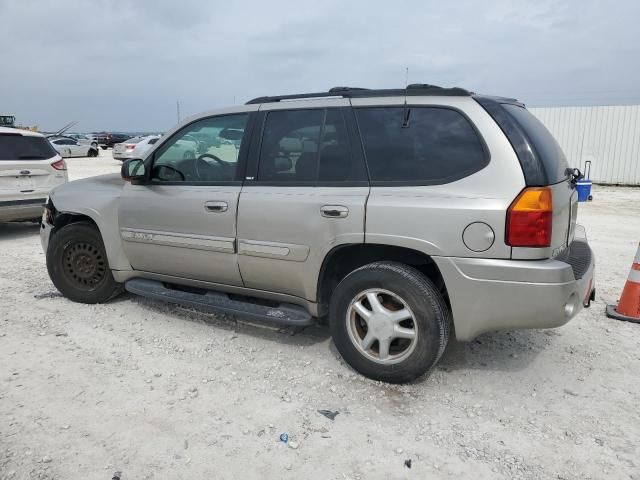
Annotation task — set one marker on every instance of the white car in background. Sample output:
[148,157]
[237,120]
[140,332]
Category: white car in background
[135,147]
[70,147]
[29,169]
[83,139]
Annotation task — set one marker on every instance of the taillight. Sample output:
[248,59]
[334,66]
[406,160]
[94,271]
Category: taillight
[130,146]
[530,218]
[59,165]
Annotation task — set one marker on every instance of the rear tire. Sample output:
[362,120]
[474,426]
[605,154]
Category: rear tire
[77,264]
[401,310]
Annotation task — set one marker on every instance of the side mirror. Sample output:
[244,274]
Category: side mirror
[133,170]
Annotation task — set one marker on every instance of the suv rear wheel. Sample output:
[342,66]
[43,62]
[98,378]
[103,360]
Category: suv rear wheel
[389,322]
[77,264]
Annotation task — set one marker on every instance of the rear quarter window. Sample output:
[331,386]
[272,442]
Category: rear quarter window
[554,163]
[25,147]
[419,145]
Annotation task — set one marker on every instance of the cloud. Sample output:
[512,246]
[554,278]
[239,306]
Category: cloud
[122,64]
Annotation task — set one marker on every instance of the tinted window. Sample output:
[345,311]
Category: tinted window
[546,147]
[205,151]
[336,162]
[152,141]
[25,147]
[423,145]
[306,146]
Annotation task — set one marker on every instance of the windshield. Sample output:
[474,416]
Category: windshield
[25,147]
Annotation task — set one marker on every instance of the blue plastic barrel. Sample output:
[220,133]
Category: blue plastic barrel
[584,190]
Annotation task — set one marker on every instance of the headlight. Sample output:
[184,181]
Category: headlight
[47,212]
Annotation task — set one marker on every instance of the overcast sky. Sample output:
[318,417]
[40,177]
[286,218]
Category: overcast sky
[122,64]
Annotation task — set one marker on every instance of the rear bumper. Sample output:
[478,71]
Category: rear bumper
[121,155]
[21,209]
[488,294]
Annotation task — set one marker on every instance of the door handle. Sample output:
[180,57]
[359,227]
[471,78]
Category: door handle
[216,206]
[334,211]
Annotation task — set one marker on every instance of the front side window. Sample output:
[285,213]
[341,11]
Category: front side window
[306,146]
[422,145]
[205,151]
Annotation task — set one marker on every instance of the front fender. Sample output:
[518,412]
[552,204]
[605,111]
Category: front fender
[97,198]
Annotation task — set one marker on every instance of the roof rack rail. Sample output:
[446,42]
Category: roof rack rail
[415,89]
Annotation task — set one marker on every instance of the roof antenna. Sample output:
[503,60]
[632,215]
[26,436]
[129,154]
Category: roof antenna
[406,111]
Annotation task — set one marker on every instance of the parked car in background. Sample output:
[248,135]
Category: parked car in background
[399,216]
[135,147]
[108,140]
[84,139]
[70,147]
[29,169]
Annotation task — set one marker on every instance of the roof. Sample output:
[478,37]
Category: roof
[27,133]
[415,89]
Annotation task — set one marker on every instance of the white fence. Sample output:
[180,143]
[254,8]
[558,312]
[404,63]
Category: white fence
[608,136]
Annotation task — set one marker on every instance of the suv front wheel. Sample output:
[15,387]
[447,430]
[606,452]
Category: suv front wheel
[77,264]
[389,322]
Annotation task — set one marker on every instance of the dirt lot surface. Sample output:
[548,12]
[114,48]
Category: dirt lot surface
[161,392]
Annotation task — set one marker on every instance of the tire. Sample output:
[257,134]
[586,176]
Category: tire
[402,291]
[77,264]
[93,152]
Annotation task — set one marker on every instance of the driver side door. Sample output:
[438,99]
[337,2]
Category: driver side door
[181,221]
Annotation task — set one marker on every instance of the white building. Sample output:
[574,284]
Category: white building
[607,136]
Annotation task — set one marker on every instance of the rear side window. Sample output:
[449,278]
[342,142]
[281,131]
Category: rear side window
[554,162]
[307,146]
[25,147]
[152,141]
[419,145]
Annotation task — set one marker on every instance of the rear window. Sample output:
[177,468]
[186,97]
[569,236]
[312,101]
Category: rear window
[419,145]
[546,147]
[25,147]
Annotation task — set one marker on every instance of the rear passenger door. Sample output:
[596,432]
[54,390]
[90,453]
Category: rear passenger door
[305,193]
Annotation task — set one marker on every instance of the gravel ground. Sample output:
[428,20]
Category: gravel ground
[161,392]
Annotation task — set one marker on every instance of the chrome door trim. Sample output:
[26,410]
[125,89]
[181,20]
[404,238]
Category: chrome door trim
[282,251]
[174,239]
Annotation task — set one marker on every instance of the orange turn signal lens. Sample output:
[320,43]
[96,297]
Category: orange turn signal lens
[530,218]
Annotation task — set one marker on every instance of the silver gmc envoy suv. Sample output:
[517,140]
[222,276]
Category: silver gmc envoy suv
[397,216]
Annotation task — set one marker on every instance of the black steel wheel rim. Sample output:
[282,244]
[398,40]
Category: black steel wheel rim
[84,265]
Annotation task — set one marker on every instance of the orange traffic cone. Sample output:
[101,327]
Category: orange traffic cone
[629,304]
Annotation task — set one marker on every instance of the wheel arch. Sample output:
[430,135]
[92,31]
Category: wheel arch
[115,255]
[343,259]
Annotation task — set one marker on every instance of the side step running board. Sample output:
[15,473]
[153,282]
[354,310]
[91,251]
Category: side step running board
[283,314]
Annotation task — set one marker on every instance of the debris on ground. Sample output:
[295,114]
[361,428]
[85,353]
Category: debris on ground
[329,414]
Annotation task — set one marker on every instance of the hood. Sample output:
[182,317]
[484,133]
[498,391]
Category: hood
[110,181]
[78,195]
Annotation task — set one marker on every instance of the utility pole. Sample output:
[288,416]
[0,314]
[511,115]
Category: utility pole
[178,109]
